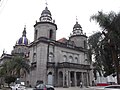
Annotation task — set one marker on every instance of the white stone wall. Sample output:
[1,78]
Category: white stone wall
[40,54]
[41,61]
[43,30]
[79,41]
[40,72]
[20,49]
[60,53]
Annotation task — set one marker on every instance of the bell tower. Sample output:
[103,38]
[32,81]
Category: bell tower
[46,26]
[77,36]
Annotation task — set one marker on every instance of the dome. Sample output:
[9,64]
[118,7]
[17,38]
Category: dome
[23,40]
[46,12]
[77,29]
[46,16]
[77,26]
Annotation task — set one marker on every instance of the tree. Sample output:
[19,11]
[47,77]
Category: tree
[94,48]
[110,24]
[9,79]
[19,65]
[14,68]
[5,72]
[106,55]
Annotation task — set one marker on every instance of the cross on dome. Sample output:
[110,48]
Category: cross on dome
[46,15]
[24,31]
[46,3]
[76,19]
[23,40]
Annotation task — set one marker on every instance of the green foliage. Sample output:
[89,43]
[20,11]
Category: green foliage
[107,60]
[19,65]
[94,40]
[9,79]
[104,20]
[5,68]
[105,49]
[94,49]
[15,67]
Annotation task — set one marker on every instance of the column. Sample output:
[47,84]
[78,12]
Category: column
[85,78]
[69,79]
[75,79]
[63,78]
[56,77]
[87,83]
[82,78]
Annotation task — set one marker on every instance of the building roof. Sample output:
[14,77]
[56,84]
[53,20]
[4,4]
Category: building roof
[46,11]
[77,25]
[63,40]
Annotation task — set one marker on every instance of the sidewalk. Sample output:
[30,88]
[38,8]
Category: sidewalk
[5,89]
[73,88]
[61,88]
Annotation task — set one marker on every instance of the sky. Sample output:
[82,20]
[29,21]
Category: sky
[15,14]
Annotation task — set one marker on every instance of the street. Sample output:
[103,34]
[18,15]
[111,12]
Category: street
[72,88]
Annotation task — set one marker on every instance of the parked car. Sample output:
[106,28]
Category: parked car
[18,87]
[109,87]
[43,87]
[50,87]
[112,87]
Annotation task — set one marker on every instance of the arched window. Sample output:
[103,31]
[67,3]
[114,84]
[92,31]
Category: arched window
[85,44]
[71,59]
[50,73]
[76,60]
[51,57]
[34,57]
[19,50]
[51,34]
[64,58]
[36,32]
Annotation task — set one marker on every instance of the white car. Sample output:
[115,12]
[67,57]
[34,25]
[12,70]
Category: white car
[112,87]
[18,87]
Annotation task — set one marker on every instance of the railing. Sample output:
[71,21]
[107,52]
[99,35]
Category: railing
[51,64]
[68,65]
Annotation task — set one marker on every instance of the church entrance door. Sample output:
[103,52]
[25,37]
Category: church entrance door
[50,78]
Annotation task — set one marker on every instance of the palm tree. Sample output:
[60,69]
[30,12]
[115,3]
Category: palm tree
[93,44]
[15,67]
[5,71]
[110,24]
[19,65]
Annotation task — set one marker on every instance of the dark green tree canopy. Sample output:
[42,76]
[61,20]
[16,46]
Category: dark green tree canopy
[106,49]
[14,68]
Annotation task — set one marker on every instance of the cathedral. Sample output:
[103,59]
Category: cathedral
[61,63]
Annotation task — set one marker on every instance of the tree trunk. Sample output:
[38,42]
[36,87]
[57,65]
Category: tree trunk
[116,62]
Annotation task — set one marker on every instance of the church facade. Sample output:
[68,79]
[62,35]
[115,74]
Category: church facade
[58,62]
[62,62]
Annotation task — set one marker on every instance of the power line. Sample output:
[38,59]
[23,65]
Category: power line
[2,5]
